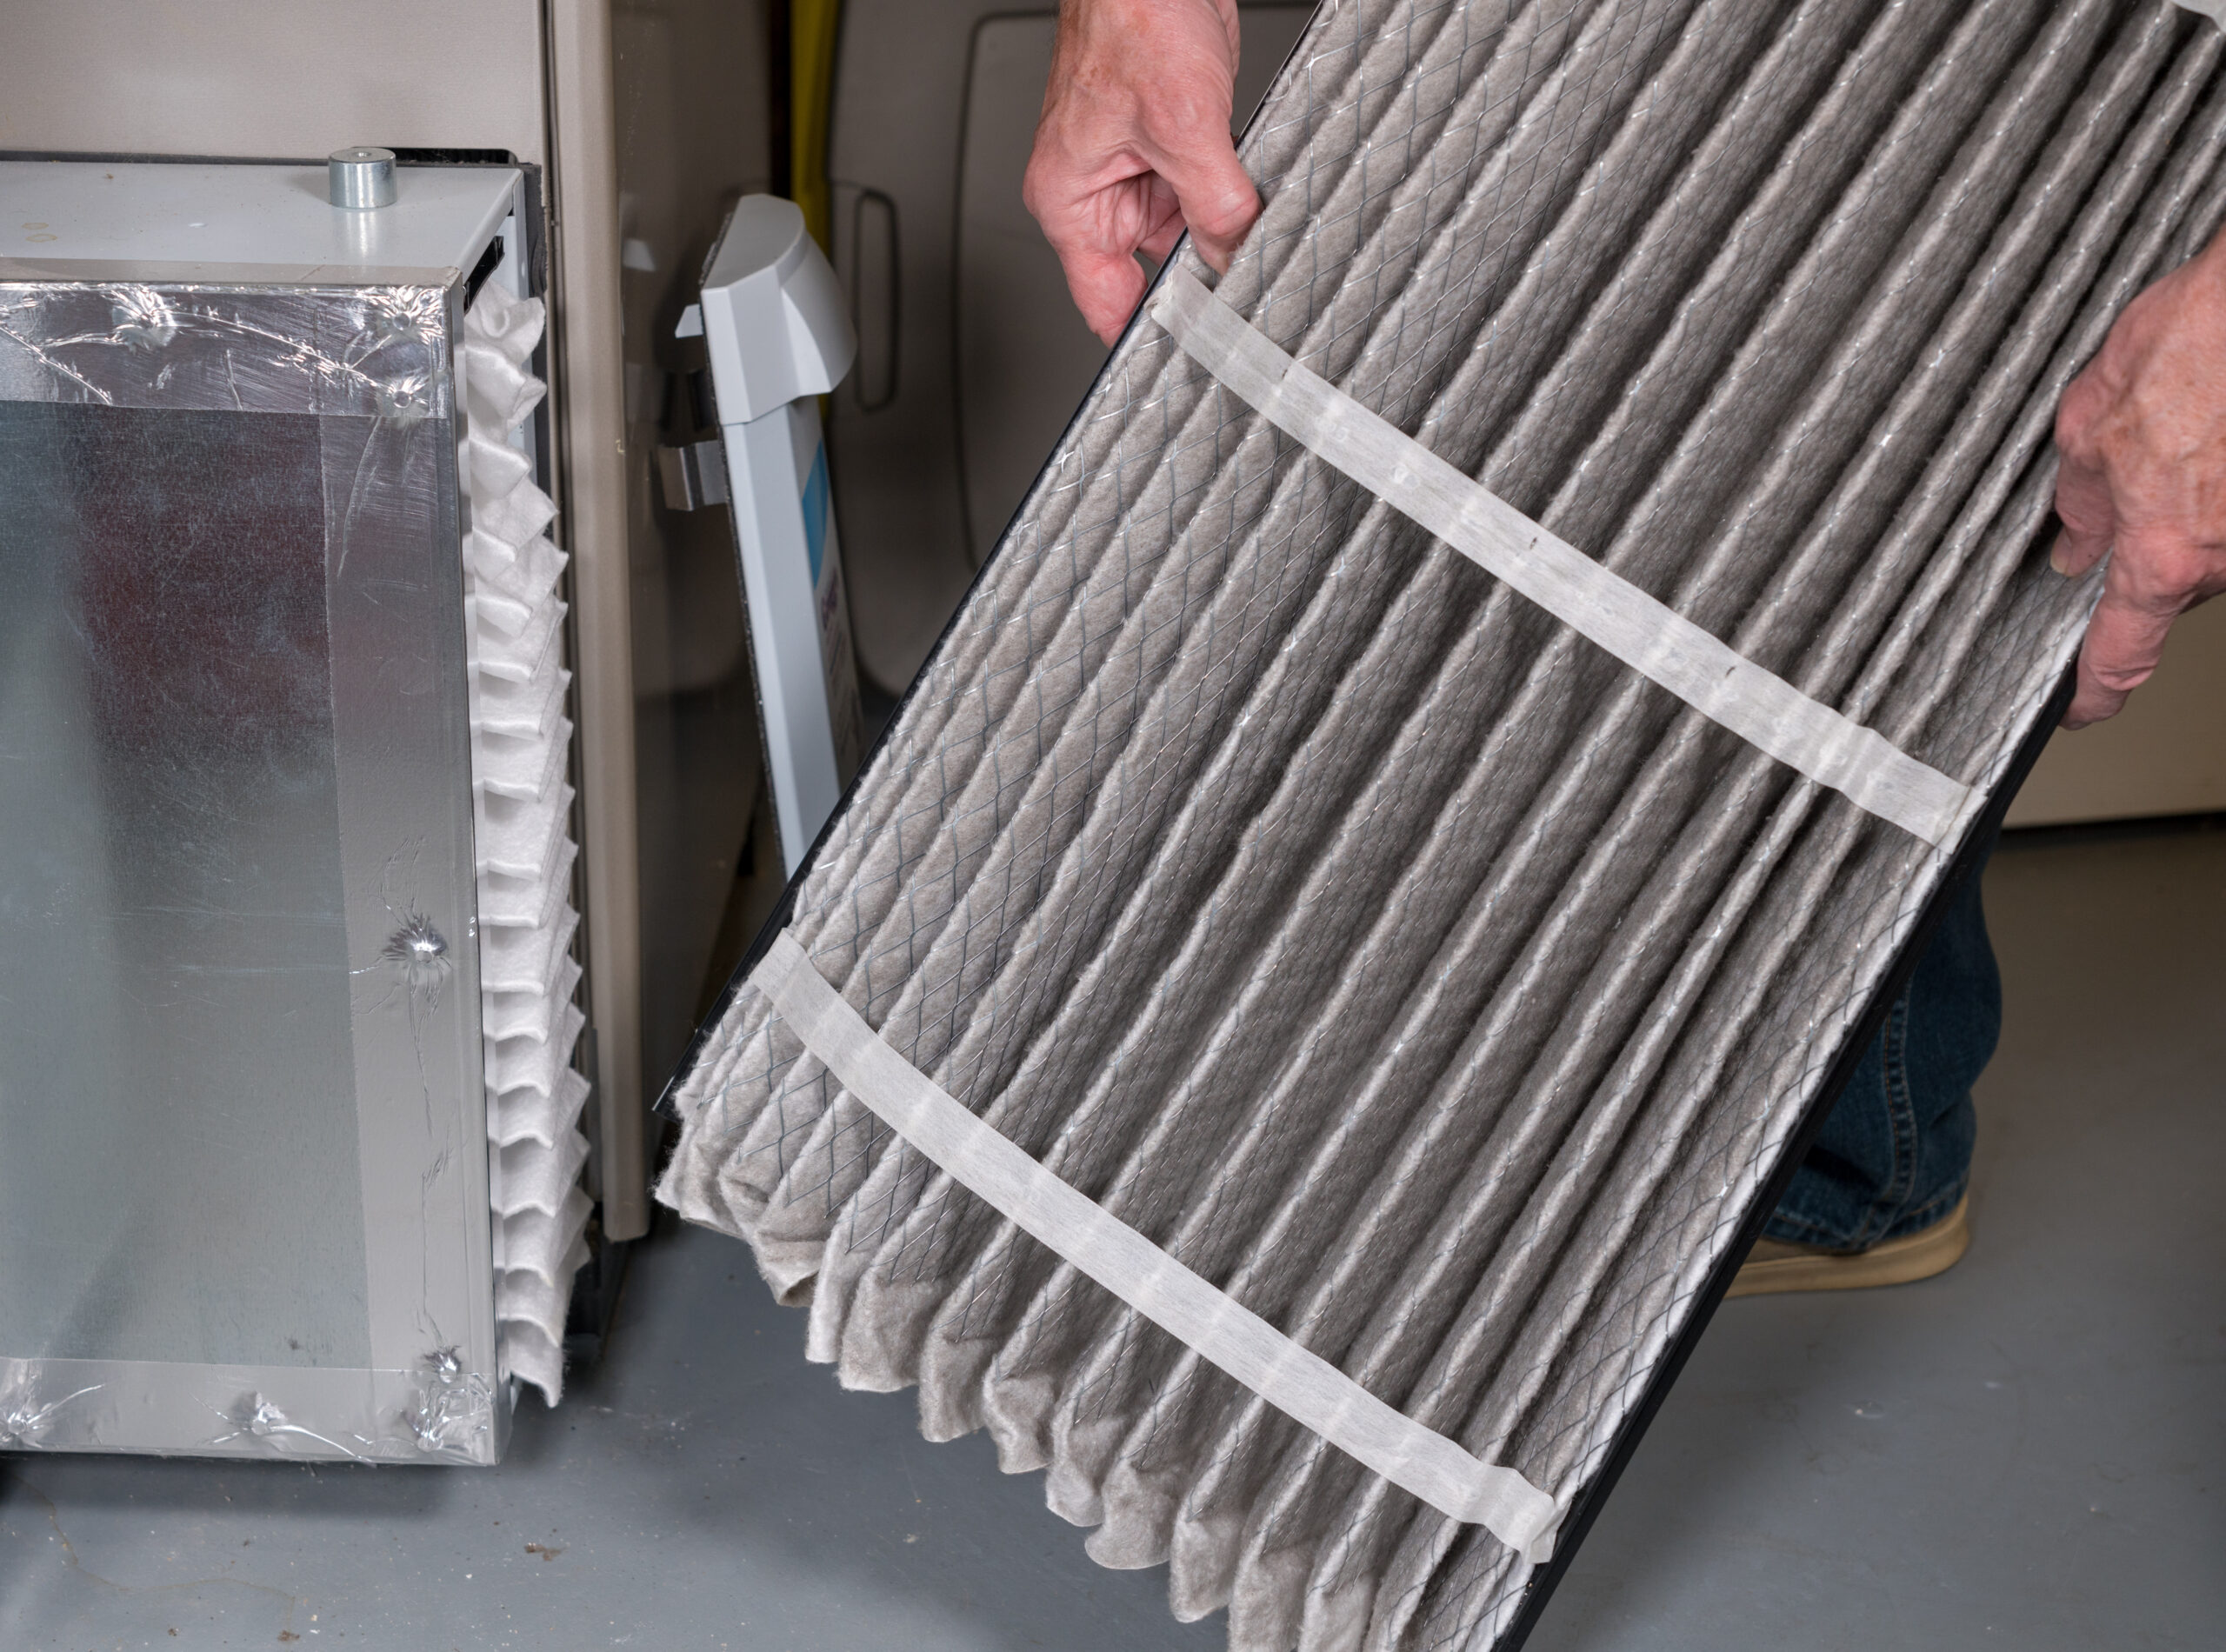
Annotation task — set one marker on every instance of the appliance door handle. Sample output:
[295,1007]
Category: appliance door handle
[873,269]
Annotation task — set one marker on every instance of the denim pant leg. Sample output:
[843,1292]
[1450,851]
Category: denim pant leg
[1895,1153]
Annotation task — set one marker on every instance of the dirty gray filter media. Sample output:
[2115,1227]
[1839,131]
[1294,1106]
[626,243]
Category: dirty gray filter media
[1422,978]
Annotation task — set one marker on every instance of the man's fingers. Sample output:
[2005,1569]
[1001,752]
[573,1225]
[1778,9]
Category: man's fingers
[1106,287]
[2072,556]
[1096,234]
[1165,214]
[2091,701]
[2083,505]
[2125,640]
[2074,553]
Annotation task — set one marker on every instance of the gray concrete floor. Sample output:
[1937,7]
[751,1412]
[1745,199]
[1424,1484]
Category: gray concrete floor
[2025,1453]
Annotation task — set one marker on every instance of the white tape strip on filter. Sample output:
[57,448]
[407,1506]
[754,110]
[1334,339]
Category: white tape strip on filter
[1303,1385]
[1765,711]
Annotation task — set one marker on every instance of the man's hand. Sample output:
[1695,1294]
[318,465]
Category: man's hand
[1133,144]
[2142,434]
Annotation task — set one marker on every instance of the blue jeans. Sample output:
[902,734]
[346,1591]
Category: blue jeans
[1895,1153]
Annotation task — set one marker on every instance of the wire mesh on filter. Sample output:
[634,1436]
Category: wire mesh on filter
[1431,982]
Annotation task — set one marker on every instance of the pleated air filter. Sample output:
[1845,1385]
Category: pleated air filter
[521,738]
[1361,962]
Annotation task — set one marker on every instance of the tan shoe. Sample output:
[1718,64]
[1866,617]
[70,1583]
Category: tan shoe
[1773,1265]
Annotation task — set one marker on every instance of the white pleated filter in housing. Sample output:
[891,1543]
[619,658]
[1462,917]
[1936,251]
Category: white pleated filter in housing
[522,804]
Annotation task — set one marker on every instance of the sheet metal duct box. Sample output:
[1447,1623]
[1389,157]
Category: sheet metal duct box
[644,123]
[288,1139]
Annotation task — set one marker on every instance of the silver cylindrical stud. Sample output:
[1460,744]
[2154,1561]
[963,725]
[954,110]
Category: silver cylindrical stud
[360,179]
